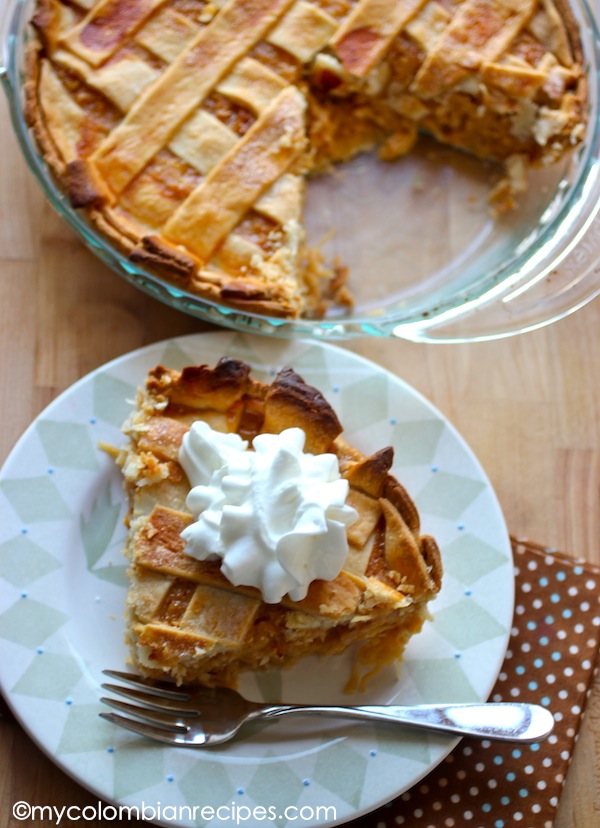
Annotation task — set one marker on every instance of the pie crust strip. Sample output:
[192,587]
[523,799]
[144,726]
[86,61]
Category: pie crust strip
[303,31]
[480,32]
[108,24]
[368,30]
[216,206]
[155,117]
[64,118]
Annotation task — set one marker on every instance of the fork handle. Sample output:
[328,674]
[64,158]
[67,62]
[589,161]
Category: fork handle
[504,721]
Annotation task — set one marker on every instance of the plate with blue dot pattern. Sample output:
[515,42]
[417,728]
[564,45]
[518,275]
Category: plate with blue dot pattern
[63,585]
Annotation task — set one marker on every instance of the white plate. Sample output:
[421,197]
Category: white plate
[62,591]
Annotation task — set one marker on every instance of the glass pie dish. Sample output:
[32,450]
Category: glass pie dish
[427,261]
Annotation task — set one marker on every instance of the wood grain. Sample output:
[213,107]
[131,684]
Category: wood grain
[528,406]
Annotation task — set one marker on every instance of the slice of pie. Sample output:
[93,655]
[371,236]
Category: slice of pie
[186,128]
[186,620]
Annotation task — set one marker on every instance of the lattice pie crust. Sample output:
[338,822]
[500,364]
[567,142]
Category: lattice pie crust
[186,620]
[186,129]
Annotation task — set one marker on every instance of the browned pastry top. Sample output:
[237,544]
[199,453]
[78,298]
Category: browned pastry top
[185,130]
[186,618]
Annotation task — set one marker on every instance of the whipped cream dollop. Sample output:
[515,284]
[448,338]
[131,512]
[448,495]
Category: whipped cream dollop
[275,516]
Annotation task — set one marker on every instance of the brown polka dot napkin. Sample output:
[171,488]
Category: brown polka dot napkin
[551,660]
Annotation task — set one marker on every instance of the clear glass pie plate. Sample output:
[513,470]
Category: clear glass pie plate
[427,261]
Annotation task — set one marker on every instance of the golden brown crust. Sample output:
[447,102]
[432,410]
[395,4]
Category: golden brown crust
[403,551]
[370,475]
[83,187]
[291,402]
[155,252]
[170,130]
[200,386]
[186,619]
[432,558]
[45,20]
[397,495]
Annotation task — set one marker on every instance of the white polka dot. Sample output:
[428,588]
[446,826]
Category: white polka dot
[558,717]
[573,591]
[541,785]
[514,692]
[519,609]
[528,768]
[550,678]
[526,647]
[517,816]
[468,815]
[455,798]
[467,751]
[553,801]
[584,606]
[568,671]
[570,730]
[546,762]
[437,806]
[562,694]
[586,664]
[526,587]
[450,822]
[424,789]
[596,621]
[473,791]
[561,634]
[578,628]
[381,825]
[559,778]
[442,782]
[573,649]
[492,783]
[581,687]
[418,812]
[590,584]
[536,808]
[461,774]
[399,820]
[552,739]
[576,710]
[537,604]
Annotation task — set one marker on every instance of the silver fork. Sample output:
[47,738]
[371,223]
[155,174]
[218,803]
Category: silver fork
[199,716]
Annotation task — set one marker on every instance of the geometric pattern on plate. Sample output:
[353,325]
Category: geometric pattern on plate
[124,770]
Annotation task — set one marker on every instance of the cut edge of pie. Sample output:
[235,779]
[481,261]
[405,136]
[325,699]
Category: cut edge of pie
[186,131]
[185,620]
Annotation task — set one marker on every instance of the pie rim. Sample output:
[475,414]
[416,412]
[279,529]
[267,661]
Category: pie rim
[171,261]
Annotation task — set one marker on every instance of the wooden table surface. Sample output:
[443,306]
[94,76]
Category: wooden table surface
[529,406]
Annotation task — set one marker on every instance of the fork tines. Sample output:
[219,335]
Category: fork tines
[160,712]
[158,688]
